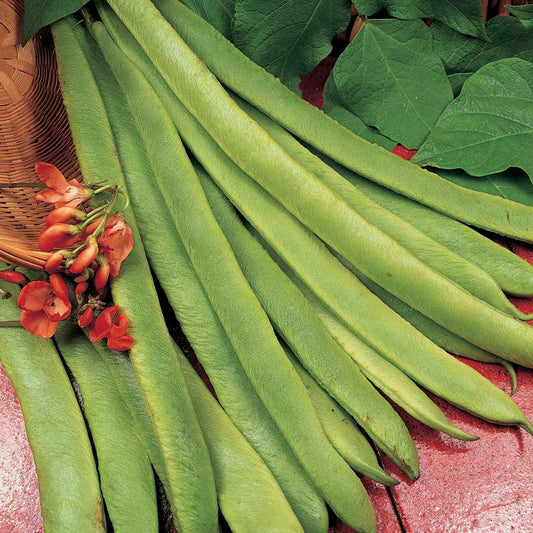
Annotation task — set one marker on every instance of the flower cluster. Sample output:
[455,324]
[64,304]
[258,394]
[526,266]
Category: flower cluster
[89,245]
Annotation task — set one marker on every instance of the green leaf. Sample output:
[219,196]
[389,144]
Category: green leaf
[457,80]
[40,13]
[289,37]
[390,78]
[489,127]
[465,16]
[334,108]
[512,184]
[524,13]
[508,37]
[219,13]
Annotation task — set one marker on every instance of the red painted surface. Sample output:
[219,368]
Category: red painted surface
[20,511]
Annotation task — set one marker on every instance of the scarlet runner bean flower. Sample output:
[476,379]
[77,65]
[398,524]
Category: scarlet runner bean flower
[103,241]
[60,192]
[116,242]
[114,330]
[44,304]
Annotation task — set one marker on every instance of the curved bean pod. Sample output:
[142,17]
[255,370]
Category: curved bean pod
[342,292]
[511,272]
[69,488]
[451,265]
[195,313]
[248,494]
[126,476]
[190,485]
[388,378]
[246,324]
[341,429]
[295,320]
[267,93]
[334,284]
[439,335]
[322,210]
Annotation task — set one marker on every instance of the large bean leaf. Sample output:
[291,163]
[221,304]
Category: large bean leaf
[489,127]
[40,13]
[512,184]
[390,78]
[524,13]
[336,110]
[508,37]
[463,15]
[219,13]
[289,37]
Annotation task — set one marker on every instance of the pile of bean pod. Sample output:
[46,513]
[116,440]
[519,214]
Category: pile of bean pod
[314,274]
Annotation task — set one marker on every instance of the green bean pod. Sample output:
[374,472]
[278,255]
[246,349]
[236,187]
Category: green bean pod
[69,489]
[248,494]
[190,485]
[388,378]
[246,324]
[322,210]
[295,320]
[439,335]
[512,273]
[126,476]
[343,294]
[341,429]
[195,313]
[451,265]
[334,284]
[268,94]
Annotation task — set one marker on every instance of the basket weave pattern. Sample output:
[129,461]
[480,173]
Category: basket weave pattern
[33,127]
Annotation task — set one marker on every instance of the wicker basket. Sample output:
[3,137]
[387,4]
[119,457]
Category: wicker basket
[33,127]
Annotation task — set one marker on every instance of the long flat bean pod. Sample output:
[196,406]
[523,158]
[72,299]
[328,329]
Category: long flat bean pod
[126,476]
[69,489]
[295,320]
[195,312]
[511,272]
[341,429]
[267,93]
[190,485]
[439,335]
[345,296]
[334,284]
[248,494]
[387,377]
[321,209]
[246,324]
[451,265]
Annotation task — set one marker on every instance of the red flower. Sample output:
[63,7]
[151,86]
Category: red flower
[116,242]
[12,276]
[85,257]
[64,214]
[44,305]
[60,192]
[58,236]
[102,274]
[86,317]
[55,261]
[115,331]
